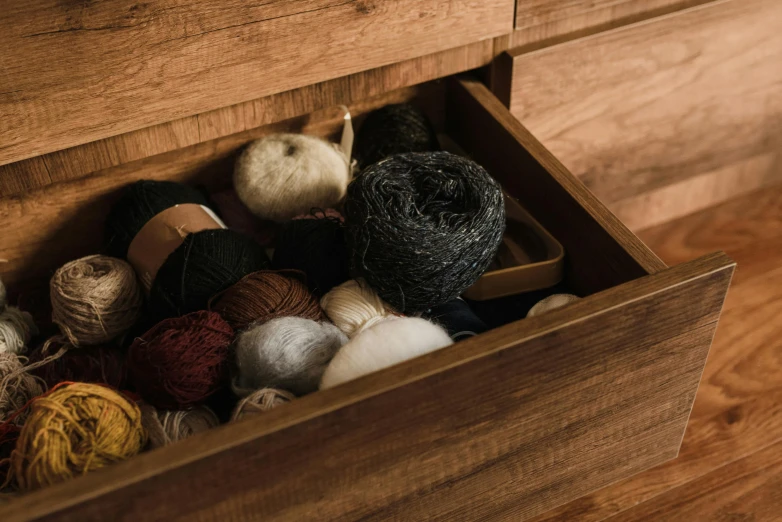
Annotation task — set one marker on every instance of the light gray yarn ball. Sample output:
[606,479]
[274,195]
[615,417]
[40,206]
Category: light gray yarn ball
[289,353]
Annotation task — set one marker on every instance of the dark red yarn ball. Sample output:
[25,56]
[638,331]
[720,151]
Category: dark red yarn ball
[94,364]
[181,361]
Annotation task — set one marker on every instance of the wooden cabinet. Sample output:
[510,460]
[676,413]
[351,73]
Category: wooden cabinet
[505,425]
[663,117]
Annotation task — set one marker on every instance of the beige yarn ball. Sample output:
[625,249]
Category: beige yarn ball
[552,302]
[16,330]
[353,306]
[166,427]
[17,386]
[260,401]
[282,176]
[95,299]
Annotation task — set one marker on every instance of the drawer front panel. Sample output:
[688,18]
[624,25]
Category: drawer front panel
[664,117]
[75,72]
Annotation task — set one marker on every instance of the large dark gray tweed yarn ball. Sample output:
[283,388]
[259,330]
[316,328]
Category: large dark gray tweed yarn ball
[423,227]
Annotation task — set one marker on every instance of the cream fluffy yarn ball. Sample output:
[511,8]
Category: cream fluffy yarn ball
[353,306]
[284,175]
[552,302]
[16,330]
[385,344]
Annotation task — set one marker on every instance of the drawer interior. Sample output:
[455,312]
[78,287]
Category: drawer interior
[538,411]
[64,221]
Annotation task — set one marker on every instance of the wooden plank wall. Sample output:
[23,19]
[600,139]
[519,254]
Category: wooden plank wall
[77,72]
[664,117]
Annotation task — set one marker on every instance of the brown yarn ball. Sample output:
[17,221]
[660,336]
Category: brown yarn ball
[260,401]
[95,299]
[17,386]
[266,295]
[166,427]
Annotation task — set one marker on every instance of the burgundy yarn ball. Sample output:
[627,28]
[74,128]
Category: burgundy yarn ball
[94,364]
[181,361]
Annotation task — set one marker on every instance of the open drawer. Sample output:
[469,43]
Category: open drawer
[504,425]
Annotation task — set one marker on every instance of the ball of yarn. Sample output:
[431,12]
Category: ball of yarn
[182,361]
[265,295]
[289,353]
[260,401]
[423,227]
[552,302]
[166,427]
[17,386]
[317,248]
[72,430]
[393,129]
[457,318]
[282,175]
[354,306]
[95,299]
[93,364]
[139,203]
[205,264]
[16,330]
[385,344]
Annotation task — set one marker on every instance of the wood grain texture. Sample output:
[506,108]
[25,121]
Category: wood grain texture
[579,19]
[81,72]
[749,489]
[64,221]
[601,251]
[83,160]
[738,409]
[557,405]
[635,110]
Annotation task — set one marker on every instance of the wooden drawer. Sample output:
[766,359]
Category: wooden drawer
[661,118]
[505,425]
[76,72]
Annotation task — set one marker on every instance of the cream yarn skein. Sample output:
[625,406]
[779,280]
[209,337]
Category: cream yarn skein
[16,330]
[385,344]
[552,302]
[281,176]
[166,427]
[260,401]
[353,306]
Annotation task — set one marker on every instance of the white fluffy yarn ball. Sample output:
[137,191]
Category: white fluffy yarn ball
[285,175]
[288,352]
[353,306]
[385,344]
[552,302]
[16,330]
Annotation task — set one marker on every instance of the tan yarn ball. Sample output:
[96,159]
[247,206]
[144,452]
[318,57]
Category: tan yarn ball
[95,299]
[282,176]
[16,330]
[166,427]
[17,386]
[552,302]
[353,307]
[260,401]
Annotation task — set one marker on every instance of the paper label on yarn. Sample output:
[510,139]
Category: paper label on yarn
[162,234]
[346,143]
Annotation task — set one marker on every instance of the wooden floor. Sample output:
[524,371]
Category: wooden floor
[730,465]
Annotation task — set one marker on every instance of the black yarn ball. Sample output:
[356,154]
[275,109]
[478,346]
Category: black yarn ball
[457,318]
[423,227]
[393,129]
[317,248]
[207,262]
[139,203]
